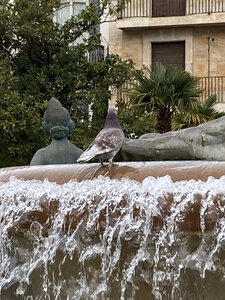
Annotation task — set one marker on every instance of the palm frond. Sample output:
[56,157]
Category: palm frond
[174,93]
[196,114]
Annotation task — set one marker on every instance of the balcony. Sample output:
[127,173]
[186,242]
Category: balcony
[97,54]
[213,86]
[167,13]
[210,86]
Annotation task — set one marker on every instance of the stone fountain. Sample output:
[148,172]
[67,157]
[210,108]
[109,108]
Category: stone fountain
[137,230]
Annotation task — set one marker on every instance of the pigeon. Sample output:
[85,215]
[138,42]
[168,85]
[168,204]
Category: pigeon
[107,143]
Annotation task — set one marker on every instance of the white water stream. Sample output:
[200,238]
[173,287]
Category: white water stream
[112,239]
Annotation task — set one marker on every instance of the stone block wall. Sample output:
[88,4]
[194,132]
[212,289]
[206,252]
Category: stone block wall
[204,46]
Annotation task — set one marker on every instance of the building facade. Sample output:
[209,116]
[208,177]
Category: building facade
[187,33]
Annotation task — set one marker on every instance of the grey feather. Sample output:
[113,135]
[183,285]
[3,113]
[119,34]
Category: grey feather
[108,141]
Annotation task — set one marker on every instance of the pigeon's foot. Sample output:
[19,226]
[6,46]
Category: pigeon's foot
[111,163]
[102,163]
[114,165]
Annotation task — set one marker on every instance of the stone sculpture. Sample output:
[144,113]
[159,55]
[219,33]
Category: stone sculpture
[58,124]
[203,142]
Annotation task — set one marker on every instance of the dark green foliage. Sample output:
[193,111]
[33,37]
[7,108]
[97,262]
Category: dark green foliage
[41,59]
[135,120]
[19,122]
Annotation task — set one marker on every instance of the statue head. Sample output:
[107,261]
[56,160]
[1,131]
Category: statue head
[57,122]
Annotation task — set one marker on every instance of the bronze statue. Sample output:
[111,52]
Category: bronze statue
[58,124]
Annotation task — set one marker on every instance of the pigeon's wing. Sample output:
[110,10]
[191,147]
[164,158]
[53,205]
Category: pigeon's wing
[106,141]
[109,140]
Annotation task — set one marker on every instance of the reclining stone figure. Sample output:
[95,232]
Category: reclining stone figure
[203,142]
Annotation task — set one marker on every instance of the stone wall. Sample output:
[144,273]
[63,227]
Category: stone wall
[136,44]
[215,48]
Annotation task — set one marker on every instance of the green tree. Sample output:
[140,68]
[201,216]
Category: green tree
[42,58]
[166,91]
[135,120]
[19,122]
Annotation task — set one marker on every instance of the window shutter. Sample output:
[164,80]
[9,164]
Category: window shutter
[168,8]
[169,53]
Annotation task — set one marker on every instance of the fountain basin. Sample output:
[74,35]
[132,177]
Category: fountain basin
[138,171]
[133,231]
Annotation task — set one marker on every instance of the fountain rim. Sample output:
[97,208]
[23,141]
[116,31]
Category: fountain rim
[62,173]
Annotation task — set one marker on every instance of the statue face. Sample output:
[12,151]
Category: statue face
[57,122]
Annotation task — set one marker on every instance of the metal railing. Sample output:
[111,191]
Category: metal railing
[97,54]
[205,6]
[210,85]
[213,86]
[168,8]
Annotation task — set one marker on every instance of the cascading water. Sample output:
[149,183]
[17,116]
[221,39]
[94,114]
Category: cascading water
[112,239]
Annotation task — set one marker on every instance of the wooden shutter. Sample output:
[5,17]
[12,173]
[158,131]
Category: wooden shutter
[168,8]
[169,53]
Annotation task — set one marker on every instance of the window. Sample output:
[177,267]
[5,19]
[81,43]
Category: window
[169,53]
[64,13]
[68,9]
[168,8]
[71,8]
[78,7]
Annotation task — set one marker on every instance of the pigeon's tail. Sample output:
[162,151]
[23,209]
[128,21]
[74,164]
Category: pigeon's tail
[85,158]
[88,154]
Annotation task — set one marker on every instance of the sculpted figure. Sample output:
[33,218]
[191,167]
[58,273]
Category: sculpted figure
[58,124]
[203,142]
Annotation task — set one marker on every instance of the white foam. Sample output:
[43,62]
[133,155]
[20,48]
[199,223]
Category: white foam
[96,249]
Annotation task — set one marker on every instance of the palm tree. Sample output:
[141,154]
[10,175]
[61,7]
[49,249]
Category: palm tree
[166,91]
[202,112]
